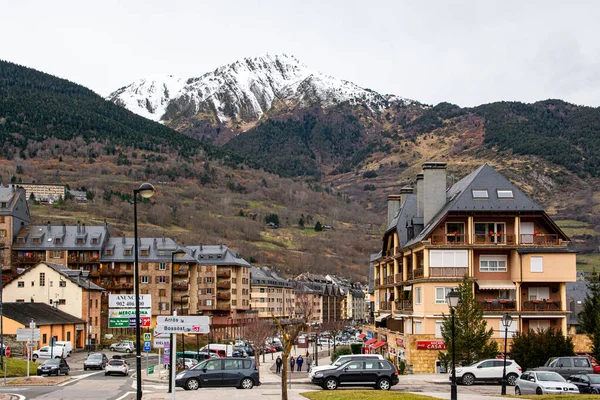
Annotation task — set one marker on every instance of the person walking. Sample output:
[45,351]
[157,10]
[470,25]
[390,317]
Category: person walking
[308,361]
[292,363]
[299,362]
[278,364]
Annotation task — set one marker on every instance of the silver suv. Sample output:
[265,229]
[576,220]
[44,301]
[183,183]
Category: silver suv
[128,346]
[488,371]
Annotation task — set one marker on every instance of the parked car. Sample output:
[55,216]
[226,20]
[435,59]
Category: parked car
[567,366]
[54,366]
[249,351]
[48,352]
[227,371]
[488,371]
[239,352]
[95,361]
[380,374]
[586,383]
[341,360]
[189,362]
[543,382]
[116,366]
[128,346]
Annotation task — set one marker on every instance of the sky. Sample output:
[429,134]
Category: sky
[463,52]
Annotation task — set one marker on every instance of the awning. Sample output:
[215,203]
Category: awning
[382,317]
[491,285]
[362,336]
[408,288]
[371,341]
[378,345]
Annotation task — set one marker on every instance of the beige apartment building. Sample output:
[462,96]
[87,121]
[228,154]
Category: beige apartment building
[272,295]
[44,192]
[482,227]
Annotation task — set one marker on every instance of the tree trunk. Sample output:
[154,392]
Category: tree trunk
[284,373]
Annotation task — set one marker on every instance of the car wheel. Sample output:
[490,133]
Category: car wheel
[34,357]
[468,379]
[57,357]
[330,384]
[511,379]
[67,372]
[106,374]
[517,390]
[384,384]
[85,368]
[539,391]
[192,384]
[128,351]
[247,383]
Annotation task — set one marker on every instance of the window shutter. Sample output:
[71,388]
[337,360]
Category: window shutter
[167,279]
[435,258]
[156,266]
[537,264]
[149,279]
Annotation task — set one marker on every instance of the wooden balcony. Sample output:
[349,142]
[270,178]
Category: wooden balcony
[389,280]
[541,305]
[498,305]
[30,260]
[118,285]
[385,305]
[493,239]
[181,285]
[224,285]
[223,296]
[447,271]
[398,278]
[224,274]
[449,239]
[124,272]
[225,305]
[419,273]
[404,305]
[181,270]
[545,239]
[83,259]
[95,273]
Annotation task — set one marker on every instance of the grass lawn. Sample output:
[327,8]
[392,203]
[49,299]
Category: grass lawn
[559,396]
[18,367]
[363,394]
[571,223]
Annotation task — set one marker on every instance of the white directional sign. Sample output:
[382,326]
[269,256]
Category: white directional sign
[159,342]
[128,301]
[25,334]
[172,328]
[128,312]
[182,320]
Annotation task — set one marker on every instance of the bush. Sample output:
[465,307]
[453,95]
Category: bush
[534,348]
[369,187]
[401,367]
[356,348]
[370,174]
[341,351]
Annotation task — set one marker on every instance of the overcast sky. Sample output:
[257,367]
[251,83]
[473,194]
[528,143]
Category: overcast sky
[463,52]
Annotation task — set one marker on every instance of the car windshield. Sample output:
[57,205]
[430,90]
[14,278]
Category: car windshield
[474,364]
[550,376]
[116,362]
[54,361]
[594,379]
[202,365]
[95,357]
[341,361]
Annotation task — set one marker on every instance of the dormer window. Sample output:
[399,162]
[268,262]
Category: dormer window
[20,240]
[144,252]
[127,252]
[480,194]
[80,241]
[109,252]
[57,240]
[36,240]
[505,194]
[3,205]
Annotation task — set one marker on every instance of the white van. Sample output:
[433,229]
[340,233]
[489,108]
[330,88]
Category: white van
[68,347]
[222,350]
[48,352]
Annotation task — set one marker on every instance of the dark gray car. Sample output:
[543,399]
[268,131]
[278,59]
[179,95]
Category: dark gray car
[220,372]
[95,361]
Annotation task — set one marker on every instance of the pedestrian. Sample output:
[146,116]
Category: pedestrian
[308,362]
[299,362]
[278,364]
[292,363]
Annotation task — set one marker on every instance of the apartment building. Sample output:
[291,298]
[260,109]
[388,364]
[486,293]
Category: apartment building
[44,192]
[271,295]
[483,227]
[14,214]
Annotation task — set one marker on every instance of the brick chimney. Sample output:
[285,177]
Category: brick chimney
[434,193]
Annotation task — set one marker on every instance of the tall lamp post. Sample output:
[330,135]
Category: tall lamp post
[146,190]
[185,296]
[89,324]
[452,300]
[177,253]
[506,322]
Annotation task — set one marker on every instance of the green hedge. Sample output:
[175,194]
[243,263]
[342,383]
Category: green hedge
[340,351]
[356,348]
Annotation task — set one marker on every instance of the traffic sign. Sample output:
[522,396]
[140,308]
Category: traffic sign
[7,351]
[198,329]
[182,320]
[147,337]
[127,322]
[147,346]
[25,334]
[31,345]
[159,343]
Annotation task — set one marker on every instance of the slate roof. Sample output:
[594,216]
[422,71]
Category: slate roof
[576,294]
[16,203]
[61,237]
[42,313]
[121,249]
[265,276]
[78,277]
[216,255]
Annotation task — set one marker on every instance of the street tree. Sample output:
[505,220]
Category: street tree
[472,337]
[334,328]
[257,333]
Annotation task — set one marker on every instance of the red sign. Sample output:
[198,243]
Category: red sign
[7,351]
[400,342]
[145,321]
[431,345]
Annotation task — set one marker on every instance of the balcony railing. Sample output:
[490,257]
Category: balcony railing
[419,272]
[223,296]
[223,274]
[541,305]
[385,305]
[498,305]
[409,274]
[118,285]
[30,260]
[83,258]
[224,285]
[447,271]
[404,305]
[223,306]
[449,239]
[181,285]
[389,280]
[124,272]
[180,270]
[398,278]
[545,239]
[494,238]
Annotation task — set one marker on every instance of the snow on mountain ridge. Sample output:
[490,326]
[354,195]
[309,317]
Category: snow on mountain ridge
[244,90]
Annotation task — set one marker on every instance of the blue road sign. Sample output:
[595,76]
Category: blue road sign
[147,346]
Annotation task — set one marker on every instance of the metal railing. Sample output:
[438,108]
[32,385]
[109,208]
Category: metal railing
[404,305]
[385,305]
[543,239]
[498,305]
[398,278]
[419,272]
[447,271]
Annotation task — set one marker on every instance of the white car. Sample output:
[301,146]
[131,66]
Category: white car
[116,366]
[488,371]
[48,352]
[343,360]
[543,382]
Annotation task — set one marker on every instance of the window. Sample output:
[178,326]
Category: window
[438,329]
[455,232]
[486,232]
[162,292]
[162,266]
[80,241]
[2,232]
[144,279]
[262,290]
[512,329]
[209,291]
[539,293]
[45,338]
[479,194]
[418,295]
[537,264]
[62,302]
[418,328]
[109,252]
[448,258]
[42,279]
[232,364]
[505,193]
[208,280]
[68,336]
[212,365]
[57,240]
[56,254]
[496,263]
[208,302]
[62,283]
[144,252]
[36,240]
[440,294]
[161,279]
[127,252]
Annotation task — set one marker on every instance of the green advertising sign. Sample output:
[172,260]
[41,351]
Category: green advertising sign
[118,322]
[150,369]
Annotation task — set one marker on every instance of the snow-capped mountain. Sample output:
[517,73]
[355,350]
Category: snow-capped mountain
[243,92]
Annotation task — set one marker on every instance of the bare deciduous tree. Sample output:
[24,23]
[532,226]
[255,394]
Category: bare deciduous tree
[289,334]
[334,328]
[257,333]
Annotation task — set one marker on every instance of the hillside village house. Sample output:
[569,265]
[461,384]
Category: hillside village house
[14,214]
[62,289]
[483,227]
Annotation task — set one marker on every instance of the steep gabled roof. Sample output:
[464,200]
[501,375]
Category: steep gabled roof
[41,313]
[61,237]
[216,255]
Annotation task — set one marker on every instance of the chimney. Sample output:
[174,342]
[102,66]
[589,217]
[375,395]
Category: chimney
[394,201]
[155,245]
[420,193]
[404,192]
[434,177]
[83,228]
[48,226]
[123,241]
[64,228]
[78,226]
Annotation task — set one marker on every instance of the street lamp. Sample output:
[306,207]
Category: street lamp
[146,190]
[452,300]
[506,322]
[179,252]
[185,296]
